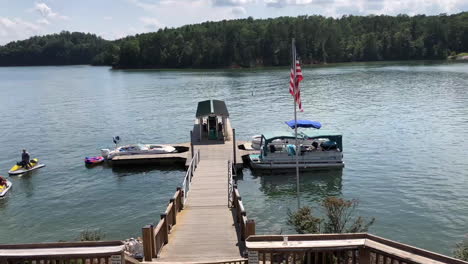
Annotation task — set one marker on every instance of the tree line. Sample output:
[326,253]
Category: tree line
[255,42]
[56,49]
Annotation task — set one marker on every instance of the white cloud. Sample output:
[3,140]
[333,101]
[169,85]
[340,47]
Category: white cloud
[47,12]
[232,2]
[107,18]
[151,23]
[364,7]
[154,6]
[239,11]
[43,21]
[174,13]
[16,28]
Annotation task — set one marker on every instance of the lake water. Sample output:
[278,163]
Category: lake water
[405,145]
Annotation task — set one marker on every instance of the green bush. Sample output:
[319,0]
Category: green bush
[461,250]
[91,235]
[304,222]
[339,217]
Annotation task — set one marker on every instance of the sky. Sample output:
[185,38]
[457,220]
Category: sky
[112,19]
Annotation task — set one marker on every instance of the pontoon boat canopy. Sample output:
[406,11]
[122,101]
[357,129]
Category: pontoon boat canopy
[304,123]
[212,107]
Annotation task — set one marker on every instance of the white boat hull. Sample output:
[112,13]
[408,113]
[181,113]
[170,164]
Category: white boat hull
[290,166]
[141,150]
[3,191]
[311,160]
[22,171]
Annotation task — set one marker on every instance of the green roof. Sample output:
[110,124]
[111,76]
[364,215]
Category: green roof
[212,107]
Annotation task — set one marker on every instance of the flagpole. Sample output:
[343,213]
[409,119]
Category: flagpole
[295,123]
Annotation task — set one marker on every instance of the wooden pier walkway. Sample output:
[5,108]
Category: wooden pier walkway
[205,230]
[205,221]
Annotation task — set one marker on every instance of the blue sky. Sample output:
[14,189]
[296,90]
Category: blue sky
[111,19]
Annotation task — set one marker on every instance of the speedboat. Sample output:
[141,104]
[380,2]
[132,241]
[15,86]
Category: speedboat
[20,169]
[5,188]
[318,149]
[137,149]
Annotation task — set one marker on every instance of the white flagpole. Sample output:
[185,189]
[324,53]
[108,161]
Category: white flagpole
[295,123]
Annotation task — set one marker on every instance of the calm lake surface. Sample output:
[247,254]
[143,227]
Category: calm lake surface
[404,128]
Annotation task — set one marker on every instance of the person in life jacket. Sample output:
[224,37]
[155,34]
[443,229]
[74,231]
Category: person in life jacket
[3,181]
[25,159]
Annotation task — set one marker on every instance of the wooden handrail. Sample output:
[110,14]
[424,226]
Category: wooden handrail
[371,249]
[102,251]
[246,226]
[225,261]
[62,244]
[155,238]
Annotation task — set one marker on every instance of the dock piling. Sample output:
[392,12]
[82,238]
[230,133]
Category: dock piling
[175,209]
[250,228]
[165,228]
[147,242]
[180,203]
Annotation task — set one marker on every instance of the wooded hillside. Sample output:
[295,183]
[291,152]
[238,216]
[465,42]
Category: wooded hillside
[253,42]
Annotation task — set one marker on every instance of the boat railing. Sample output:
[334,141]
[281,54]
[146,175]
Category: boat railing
[155,237]
[361,248]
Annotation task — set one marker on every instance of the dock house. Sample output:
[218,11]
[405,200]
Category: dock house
[212,119]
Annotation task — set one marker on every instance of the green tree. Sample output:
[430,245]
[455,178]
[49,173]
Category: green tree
[250,42]
[130,53]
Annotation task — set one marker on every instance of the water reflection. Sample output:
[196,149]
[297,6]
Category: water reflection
[316,184]
[129,171]
[24,182]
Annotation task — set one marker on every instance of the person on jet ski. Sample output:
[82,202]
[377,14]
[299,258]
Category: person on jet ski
[25,159]
[3,181]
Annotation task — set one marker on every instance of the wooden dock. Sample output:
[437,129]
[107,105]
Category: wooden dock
[205,221]
[205,230]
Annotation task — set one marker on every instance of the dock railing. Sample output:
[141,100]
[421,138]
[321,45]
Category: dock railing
[96,252]
[246,226]
[360,248]
[154,238]
[189,174]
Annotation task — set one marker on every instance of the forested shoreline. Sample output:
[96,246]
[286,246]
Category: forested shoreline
[254,42]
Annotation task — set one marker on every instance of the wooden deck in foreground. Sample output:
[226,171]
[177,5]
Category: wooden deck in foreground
[205,230]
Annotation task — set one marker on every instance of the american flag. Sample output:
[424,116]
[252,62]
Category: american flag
[296,78]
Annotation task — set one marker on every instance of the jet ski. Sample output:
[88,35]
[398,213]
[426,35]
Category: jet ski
[5,188]
[94,160]
[20,169]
